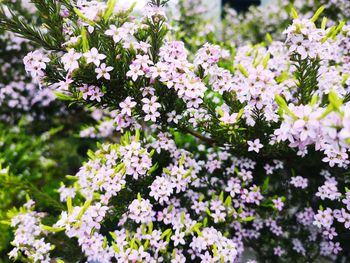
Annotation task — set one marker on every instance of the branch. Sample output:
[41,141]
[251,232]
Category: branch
[208,140]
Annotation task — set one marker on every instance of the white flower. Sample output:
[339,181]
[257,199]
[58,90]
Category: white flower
[150,105]
[178,238]
[70,60]
[255,146]
[94,57]
[134,72]
[127,105]
[102,71]
[229,119]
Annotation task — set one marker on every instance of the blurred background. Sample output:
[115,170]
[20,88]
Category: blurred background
[239,5]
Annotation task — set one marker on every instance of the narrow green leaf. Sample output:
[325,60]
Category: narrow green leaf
[109,10]
[62,96]
[269,38]
[85,42]
[52,229]
[318,13]
[294,13]
[324,23]
[83,18]
[243,70]
[69,205]
[84,208]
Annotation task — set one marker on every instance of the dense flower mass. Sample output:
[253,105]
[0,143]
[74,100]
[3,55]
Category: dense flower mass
[29,235]
[213,145]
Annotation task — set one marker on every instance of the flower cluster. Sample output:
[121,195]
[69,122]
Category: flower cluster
[29,235]
[234,146]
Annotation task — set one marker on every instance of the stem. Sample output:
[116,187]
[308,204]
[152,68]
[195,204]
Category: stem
[200,136]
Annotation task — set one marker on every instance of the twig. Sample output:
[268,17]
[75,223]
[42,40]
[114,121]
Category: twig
[200,136]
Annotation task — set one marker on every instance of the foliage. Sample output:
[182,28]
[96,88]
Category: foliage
[209,144]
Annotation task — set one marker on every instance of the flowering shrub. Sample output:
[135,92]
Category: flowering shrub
[271,20]
[205,152]
[19,95]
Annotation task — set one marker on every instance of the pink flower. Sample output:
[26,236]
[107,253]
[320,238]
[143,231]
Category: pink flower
[93,56]
[102,71]
[255,146]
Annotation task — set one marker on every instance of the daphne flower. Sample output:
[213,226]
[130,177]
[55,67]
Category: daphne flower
[93,56]
[299,182]
[102,71]
[152,116]
[141,211]
[278,251]
[278,203]
[324,218]
[127,105]
[328,190]
[255,145]
[70,60]
[114,32]
[229,119]
[134,72]
[150,105]
[178,238]
[330,233]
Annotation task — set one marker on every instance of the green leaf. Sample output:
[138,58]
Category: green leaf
[324,23]
[243,70]
[220,112]
[83,18]
[345,78]
[334,100]
[266,184]
[137,135]
[266,59]
[283,105]
[314,100]
[281,78]
[208,211]
[150,227]
[215,250]
[248,219]
[240,114]
[228,201]
[84,208]
[205,222]
[153,168]
[294,13]
[62,96]
[318,13]
[71,177]
[119,167]
[53,229]
[182,160]
[165,170]
[195,228]
[182,217]
[222,196]
[5,222]
[69,205]
[115,247]
[269,38]
[170,208]
[165,233]
[85,41]
[109,10]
